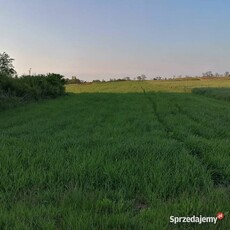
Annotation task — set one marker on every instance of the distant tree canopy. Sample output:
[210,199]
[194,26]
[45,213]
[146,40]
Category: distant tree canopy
[142,77]
[208,74]
[227,74]
[73,80]
[6,66]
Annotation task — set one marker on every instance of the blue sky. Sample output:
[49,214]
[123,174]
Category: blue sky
[96,39]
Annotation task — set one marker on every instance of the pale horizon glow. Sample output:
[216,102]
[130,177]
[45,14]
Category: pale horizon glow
[114,39]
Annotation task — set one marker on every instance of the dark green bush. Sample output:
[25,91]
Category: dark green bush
[32,87]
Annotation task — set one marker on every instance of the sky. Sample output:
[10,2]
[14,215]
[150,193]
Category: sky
[103,39]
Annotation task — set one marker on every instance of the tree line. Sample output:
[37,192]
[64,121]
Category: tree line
[208,74]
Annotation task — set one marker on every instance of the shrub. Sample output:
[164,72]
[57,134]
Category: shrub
[32,87]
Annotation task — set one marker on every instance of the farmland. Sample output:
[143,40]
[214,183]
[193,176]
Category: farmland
[121,155]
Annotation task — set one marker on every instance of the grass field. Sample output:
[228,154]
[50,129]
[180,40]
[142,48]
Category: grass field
[122,155]
[176,86]
[218,93]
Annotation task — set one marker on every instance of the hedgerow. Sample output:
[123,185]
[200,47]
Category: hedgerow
[26,88]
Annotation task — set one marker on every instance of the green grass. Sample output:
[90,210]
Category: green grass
[9,102]
[218,93]
[115,160]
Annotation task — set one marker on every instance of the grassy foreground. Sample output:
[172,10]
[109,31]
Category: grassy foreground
[115,160]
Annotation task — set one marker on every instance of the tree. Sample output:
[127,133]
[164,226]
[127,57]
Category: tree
[208,74]
[217,75]
[6,65]
[143,77]
[226,74]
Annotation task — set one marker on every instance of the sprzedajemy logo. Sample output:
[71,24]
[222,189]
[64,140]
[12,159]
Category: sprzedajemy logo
[197,219]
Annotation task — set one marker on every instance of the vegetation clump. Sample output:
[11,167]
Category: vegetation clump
[14,89]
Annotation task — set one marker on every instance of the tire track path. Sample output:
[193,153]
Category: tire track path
[218,177]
